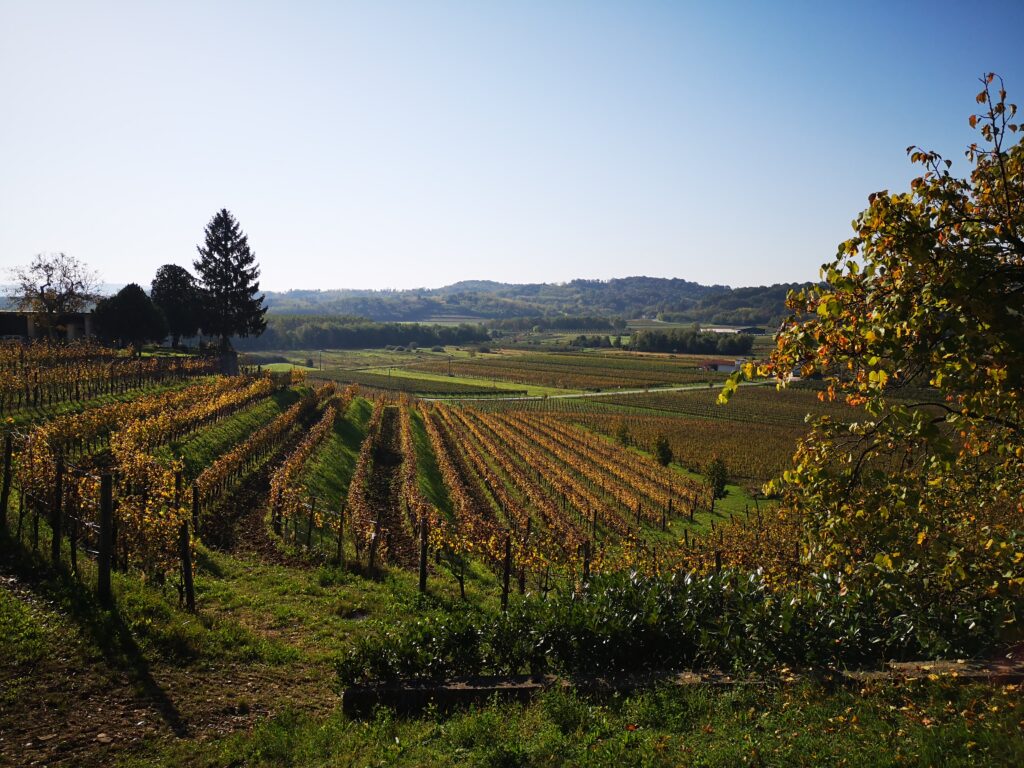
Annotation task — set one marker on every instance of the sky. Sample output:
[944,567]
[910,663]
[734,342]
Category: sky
[396,145]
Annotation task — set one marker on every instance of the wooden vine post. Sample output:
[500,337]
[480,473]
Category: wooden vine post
[5,490]
[506,573]
[341,535]
[312,521]
[423,553]
[275,512]
[106,542]
[371,558]
[185,547]
[57,515]
[72,516]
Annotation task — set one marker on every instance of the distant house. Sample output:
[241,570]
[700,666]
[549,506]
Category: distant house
[753,330]
[27,325]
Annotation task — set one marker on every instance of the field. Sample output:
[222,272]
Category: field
[580,370]
[195,565]
[465,371]
[406,381]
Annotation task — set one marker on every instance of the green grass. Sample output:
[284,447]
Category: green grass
[200,449]
[532,390]
[327,475]
[329,471]
[281,367]
[26,634]
[805,725]
[145,622]
[351,358]
[320,612]
[429,476]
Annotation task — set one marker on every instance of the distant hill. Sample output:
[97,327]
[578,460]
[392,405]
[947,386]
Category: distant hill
[478,300]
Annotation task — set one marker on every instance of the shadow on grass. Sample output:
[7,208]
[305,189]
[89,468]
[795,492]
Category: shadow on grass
[105,629]
[206,564]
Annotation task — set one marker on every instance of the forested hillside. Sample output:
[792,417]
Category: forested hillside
[629,297]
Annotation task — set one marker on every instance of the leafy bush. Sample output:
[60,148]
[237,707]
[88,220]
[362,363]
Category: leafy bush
[633,623]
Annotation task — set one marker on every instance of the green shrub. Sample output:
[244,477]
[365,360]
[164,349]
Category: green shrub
[632,623]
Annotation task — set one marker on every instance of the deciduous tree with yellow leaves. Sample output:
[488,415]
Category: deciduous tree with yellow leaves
[920,321]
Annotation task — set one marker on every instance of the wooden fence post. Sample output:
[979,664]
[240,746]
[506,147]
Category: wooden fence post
[185,549]
[21,515]
[35,523]
[312,521]
[195,509]
[506,573]
[341,535]
[106,543]
[275,512]
[73,515]
[371,559]
[5,491]
[423,552]
[57,516]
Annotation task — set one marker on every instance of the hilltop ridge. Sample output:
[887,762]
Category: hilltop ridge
[628,297]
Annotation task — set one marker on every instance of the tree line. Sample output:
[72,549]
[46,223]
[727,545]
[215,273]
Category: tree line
[222,300]
[346,332]
[691,341]
[630,297]
[558,323]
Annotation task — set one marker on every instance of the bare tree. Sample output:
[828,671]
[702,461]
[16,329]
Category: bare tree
[52,286]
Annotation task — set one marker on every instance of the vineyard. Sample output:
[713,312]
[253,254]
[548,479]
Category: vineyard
[481,500]
[546,498]
[545,489]
[579,371]
[44,375]
[409,384]
[755,435]
[757,405]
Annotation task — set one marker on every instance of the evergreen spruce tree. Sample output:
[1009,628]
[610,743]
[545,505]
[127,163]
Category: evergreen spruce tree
[232,304]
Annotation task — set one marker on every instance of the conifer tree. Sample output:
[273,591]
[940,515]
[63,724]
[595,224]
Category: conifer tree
[232,304]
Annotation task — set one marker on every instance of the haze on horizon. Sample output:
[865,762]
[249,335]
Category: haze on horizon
[403,145]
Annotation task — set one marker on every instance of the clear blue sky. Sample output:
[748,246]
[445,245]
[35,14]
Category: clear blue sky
[381,144]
